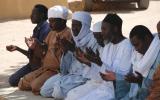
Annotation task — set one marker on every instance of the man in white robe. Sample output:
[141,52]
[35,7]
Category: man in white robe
[116,59]
[73,72]
[145,61]
[94,78]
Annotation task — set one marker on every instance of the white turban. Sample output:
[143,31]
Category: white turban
[59,12]
[85,33]
[97,27]
[83,17]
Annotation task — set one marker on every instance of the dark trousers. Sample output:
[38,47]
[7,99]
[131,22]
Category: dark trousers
[15,78]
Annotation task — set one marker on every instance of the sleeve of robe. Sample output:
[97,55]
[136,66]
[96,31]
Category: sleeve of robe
[66,61]
[123,63]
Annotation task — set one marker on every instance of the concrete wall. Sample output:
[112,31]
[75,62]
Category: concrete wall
[11,9]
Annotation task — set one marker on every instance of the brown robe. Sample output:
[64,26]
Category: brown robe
[155,88]
[50,63]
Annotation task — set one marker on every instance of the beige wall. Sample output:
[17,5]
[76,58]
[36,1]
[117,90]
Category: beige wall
[10,9]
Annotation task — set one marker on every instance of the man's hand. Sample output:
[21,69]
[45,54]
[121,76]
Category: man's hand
[131,78]
[93,57]
[81,58]
[99,39]
[11,48]
[31,42]
[108,76]
[67,45]
[57,44]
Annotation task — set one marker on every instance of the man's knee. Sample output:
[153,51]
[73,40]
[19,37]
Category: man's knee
[57,92]
[13,80]
[24,85]
[35,87]
[71,95]
[46,91]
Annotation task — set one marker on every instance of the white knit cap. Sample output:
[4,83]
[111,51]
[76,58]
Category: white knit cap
[59,12]
[97,27]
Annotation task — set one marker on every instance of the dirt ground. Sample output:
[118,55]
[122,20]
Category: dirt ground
[14,31]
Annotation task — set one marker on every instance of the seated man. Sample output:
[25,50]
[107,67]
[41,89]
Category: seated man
[58,16]
[145,61]
[94,78]
[73,72]
[115,62]
[40,32]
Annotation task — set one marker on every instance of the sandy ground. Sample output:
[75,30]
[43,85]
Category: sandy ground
[14,31]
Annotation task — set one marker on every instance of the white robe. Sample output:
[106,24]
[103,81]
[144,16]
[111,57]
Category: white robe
[83,92]
[116,58]
[143,63]
[102,91]
[78,73]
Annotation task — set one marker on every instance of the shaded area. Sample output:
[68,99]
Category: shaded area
[4,77]
[12,93]
[23,95]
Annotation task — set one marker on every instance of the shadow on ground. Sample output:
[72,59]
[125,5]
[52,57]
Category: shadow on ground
[12,93]
[4,76]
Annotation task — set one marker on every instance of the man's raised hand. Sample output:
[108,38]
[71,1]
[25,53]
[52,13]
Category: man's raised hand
[31,42]
[11,48]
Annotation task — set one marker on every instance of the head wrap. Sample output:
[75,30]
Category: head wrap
[85,32]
